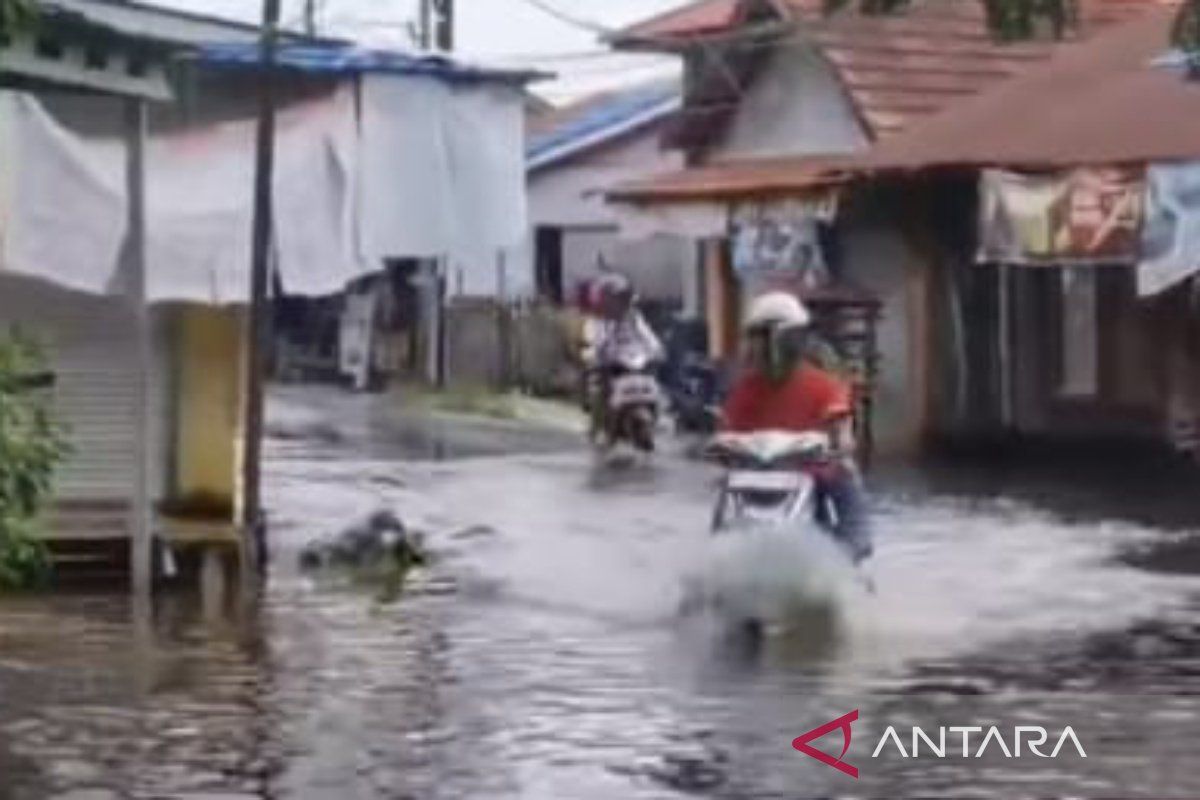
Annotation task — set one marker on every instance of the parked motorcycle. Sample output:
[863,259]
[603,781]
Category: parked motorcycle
[693,393]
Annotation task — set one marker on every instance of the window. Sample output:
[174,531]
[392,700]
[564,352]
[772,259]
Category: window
[1080,352]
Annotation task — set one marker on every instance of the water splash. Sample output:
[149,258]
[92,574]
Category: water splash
[773,575]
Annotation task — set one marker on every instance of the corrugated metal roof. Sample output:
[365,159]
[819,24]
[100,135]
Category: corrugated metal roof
[145,21]
[597,120]
[340,59]
[1099,102]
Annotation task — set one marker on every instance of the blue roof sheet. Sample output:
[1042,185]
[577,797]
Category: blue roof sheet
[613,111]
[343,59]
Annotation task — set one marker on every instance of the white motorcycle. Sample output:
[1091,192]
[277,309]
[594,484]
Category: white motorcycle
[768,478]
[634,399]
[772,555]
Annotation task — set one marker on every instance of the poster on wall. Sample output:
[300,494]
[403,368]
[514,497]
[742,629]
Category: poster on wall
[1083,215]
[781,239]
[1171,233]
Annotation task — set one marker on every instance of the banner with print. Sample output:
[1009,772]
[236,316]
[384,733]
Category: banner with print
[1087,215]
[782,238]
[1171,234]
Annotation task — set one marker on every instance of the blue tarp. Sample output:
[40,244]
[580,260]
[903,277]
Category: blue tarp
[336,59]
[612,112]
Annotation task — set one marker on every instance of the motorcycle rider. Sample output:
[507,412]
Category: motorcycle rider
[781,390]
[621,326]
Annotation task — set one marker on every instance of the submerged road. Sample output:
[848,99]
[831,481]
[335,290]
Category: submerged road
[541,655]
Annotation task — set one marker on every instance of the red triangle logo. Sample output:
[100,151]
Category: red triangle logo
[842,723]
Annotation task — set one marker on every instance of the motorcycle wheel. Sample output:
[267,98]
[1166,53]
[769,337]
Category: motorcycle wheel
[641,429]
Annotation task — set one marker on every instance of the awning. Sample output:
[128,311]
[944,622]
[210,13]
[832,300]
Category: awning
[701,202]
[744,179]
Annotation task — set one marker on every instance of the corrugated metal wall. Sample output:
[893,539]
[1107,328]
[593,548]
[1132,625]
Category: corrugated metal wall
[91,344]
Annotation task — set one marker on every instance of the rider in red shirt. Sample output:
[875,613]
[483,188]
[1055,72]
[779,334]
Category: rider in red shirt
[779,390]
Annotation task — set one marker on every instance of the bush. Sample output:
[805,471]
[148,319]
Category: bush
[31,447]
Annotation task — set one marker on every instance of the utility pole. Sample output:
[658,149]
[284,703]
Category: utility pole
[258,321]
[437,25]
[425,25]
[444,26]
[310,17]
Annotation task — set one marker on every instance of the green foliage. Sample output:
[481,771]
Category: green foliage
[1013,20]
[1185,32]
[31,447]
[1008,20]
[16,15]
[868,7]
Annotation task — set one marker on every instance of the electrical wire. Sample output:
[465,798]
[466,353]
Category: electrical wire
[568,18]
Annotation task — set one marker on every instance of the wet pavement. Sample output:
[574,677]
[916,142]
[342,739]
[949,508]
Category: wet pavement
[541,655]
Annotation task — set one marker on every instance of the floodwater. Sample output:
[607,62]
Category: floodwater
[541,655]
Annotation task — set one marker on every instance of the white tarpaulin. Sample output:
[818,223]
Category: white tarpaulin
[1171,231]
[60,213]
[429,169]
[443,169]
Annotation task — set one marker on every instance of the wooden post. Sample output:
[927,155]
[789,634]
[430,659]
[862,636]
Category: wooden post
[717,299]
[141,548]
[1004,334]
[258,318]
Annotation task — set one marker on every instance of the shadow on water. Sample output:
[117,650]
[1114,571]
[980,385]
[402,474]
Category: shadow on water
[1129,481]
[1174,557]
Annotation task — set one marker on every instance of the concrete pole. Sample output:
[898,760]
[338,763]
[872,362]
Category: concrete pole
[258,318]
[142,528]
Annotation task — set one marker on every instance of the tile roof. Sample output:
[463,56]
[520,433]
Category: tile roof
[903,67]
[901,70]
[1099,102]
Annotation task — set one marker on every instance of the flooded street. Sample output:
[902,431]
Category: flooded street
[541,653]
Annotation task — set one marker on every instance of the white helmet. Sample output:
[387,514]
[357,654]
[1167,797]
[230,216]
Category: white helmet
[777,310]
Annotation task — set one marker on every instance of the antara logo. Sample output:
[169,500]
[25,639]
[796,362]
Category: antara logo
[1024,738]
[842,723]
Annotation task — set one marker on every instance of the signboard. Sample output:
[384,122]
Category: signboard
[1081,215]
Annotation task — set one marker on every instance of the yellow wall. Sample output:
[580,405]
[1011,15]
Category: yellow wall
[210,403]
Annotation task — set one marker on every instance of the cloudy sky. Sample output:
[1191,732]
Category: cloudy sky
[509,32]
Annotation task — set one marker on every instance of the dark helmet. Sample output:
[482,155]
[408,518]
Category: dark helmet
[616,293]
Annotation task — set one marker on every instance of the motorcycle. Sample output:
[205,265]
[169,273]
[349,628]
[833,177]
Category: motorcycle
[634,400]
[693,391]
[768,479]
[773,557]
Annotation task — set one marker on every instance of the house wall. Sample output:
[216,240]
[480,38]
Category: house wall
[570,195]
[1132,394]
[796,106]
[876,257]
[656,265]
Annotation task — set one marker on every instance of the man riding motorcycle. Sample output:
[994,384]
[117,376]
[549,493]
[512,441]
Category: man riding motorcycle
[780,390]
[620,326]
